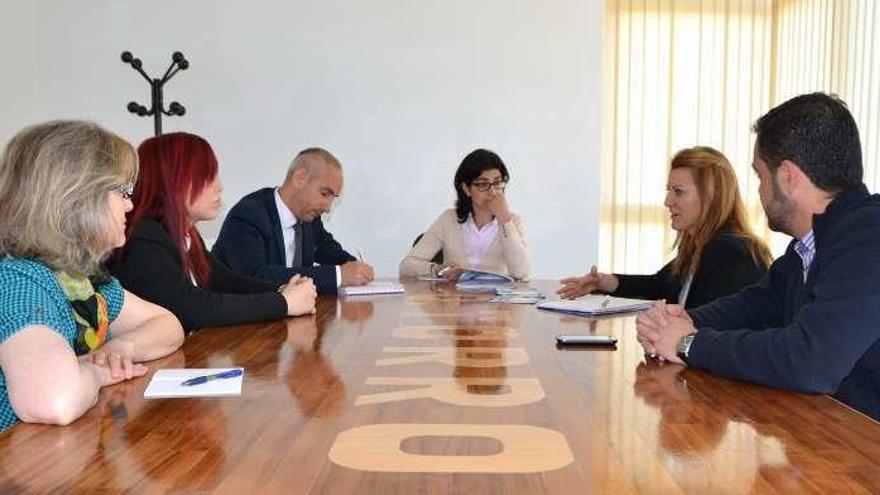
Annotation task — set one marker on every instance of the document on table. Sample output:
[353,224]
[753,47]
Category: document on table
[510,295]
[596,305]
[168,383]
[372,288]
[480,281]
[514,300]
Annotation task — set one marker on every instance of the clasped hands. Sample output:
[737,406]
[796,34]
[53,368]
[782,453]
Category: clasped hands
[300,294]
[660,328]
[113,362]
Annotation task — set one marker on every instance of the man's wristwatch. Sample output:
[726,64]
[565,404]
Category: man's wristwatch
[684,345]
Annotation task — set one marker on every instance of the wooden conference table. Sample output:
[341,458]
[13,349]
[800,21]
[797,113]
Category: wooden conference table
[440,392]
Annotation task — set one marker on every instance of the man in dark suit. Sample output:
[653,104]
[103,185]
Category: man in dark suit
[276,233]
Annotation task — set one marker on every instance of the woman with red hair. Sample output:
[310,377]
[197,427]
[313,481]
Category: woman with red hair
[164,259]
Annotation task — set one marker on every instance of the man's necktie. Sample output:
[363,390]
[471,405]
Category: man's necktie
[297,245]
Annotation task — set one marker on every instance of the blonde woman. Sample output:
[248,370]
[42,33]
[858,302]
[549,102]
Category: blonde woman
[717,252]
[66,327]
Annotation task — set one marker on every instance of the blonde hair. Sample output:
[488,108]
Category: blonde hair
[722,208]
[54,182]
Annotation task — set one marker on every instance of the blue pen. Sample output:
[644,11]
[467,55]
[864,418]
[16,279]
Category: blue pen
[216,376]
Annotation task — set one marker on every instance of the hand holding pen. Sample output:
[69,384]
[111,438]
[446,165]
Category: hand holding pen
[356,272]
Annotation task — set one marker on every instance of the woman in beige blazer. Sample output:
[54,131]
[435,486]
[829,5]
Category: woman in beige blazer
[480,232]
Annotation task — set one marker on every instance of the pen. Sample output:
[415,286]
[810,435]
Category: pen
[360,256]
[216,376]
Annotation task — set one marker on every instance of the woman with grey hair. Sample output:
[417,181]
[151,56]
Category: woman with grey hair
[67,328]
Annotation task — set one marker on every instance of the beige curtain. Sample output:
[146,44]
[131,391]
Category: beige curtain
[680,73]
[834,46]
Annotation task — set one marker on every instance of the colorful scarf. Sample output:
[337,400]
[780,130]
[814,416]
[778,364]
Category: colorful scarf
[89,312]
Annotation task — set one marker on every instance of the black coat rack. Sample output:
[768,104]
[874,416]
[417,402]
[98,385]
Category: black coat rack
[178,63]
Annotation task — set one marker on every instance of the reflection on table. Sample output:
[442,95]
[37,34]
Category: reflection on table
[436,391]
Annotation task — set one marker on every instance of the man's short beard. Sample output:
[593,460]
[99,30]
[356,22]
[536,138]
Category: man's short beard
[779,210]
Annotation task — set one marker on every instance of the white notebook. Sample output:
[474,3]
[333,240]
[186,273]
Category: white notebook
[168,383]
[372,288]
[596,305]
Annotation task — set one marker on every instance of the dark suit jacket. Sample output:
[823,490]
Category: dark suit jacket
[151,267]
[726,266]
[820,335]
[251,243]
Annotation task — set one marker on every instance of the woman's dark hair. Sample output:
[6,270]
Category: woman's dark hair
[474,164]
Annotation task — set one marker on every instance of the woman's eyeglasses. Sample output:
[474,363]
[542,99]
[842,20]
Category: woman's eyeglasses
[126,190]
[483,186]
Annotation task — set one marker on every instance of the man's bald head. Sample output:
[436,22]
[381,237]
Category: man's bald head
[313,181]
[314,161]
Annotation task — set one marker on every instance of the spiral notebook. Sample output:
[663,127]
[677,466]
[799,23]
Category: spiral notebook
[372,288]
[595,305]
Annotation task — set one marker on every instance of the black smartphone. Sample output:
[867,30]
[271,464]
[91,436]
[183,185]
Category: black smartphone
[586,340]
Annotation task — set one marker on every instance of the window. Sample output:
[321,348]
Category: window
[680,73]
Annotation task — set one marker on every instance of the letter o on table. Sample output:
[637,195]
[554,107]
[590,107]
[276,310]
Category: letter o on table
[526,449]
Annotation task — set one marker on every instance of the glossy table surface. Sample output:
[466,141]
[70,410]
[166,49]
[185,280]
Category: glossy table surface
[440,392]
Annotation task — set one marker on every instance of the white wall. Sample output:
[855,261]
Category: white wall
[399,90]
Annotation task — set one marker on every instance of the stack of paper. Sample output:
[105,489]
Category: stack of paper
[372,288]
[596,305]
[510,295]
[479,281]
[169,383]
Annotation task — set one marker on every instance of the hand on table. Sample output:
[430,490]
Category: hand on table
[574,287]
[660,328]
[300,294]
